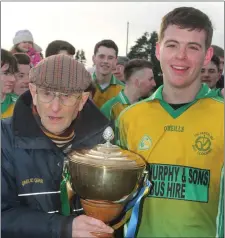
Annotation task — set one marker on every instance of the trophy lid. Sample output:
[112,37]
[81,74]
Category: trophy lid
[107,155]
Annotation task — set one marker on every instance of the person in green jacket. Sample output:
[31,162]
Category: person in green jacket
[8,69]
[139,84]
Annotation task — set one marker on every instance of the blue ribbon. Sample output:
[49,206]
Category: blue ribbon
[135,203]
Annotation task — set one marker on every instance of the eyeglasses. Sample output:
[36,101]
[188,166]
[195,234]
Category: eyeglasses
[69,99]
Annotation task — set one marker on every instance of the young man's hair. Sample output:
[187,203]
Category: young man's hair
[8,58]
[216,60]
[22,58]
[218,51]
[108,44]
[188,18]
[135,65]
[56,46]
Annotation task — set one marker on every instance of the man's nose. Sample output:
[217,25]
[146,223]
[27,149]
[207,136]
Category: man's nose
[56,104]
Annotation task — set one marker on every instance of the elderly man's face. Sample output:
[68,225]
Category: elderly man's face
[57,113]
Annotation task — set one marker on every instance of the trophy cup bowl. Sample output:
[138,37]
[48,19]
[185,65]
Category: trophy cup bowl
[105,177]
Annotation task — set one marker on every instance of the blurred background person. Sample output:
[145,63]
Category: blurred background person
[210,73]
[8,69]
[22,76]
[60,47]
[140,83]
[106,84]
[119,70]
[219,52]
[23,42]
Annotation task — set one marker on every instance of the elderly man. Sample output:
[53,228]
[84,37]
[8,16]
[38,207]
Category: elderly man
[52,118]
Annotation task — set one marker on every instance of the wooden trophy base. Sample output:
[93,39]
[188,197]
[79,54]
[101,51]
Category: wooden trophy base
[102,210]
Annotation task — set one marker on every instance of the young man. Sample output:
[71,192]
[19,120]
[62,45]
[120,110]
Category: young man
[184,152]
[22,77]
[140,82]
[50,119]
[119,70]
[210,73]
[60,47]
[8,69]
[104,59]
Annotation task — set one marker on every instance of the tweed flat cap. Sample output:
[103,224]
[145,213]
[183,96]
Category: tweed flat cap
[60,73]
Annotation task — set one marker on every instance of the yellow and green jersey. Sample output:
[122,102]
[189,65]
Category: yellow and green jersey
[218,91]
[7,106]
[184,149]
[101,95]
[115,106]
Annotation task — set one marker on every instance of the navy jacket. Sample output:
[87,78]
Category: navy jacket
[32,172]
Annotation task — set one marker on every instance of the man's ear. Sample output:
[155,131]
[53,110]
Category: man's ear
[33,91]
[85,96]
[157,51]
[5,67]
[208,56]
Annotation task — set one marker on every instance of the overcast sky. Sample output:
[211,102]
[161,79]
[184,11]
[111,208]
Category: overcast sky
[84,24]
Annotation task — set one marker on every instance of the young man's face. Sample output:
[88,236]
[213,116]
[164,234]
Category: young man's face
[105,60]
[55,116]
[182,54]
[7,80]
[119,72]
[210,74]
[145,82]
[22,79]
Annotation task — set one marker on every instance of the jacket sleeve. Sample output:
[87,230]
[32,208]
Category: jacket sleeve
[20,221]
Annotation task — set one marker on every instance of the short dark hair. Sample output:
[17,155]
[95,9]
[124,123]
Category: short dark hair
[218,51]
[135,65]
[188,18]
[216,60]
[8,58]
[108,44]
[54,48]
[22,58]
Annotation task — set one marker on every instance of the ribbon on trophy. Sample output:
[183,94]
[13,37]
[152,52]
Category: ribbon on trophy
[135,204]
[65,204]
[132,209]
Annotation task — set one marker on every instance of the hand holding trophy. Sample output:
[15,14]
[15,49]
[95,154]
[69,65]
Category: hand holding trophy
[106,178]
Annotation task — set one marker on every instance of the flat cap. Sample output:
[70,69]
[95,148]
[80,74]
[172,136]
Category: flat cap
[60,73]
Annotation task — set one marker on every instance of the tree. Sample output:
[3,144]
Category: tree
[141,49]
[77,56]
[144,48]
[156,64]
[80,56]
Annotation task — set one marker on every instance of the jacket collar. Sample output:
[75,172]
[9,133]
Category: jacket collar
[29,135]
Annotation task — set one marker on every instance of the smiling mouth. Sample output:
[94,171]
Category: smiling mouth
[55,119]
[179,67]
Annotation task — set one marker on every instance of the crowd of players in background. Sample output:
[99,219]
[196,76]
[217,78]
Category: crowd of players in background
[117,81]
